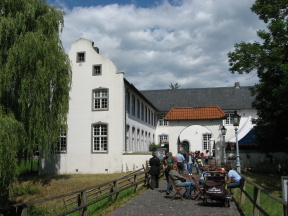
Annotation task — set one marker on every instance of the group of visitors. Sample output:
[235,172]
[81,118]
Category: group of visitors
[174,167]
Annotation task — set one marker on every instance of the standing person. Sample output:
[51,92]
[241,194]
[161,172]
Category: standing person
[167,160]
[180,181]
[206,156]
[234,179]
[197,157]
[180,163]
[154,171]
[190,160]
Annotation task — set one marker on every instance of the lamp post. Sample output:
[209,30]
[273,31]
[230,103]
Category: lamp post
[236,120]
[223,131]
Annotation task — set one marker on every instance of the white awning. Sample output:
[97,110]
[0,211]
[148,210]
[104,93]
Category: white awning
[246,127]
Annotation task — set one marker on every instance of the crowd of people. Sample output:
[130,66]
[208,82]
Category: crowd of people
[176,166]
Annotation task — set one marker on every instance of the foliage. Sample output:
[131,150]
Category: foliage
[153,147]
[12,140]
[35,72]
[175,86]
[35,77]
[270,60]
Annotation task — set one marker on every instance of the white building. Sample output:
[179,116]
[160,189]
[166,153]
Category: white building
[111,124]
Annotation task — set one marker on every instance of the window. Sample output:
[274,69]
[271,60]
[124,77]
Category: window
[100,99]
[146,114]
[142,112]
[162,122]
[100,138]
[62,144]
[96,70]
[80,57]
[128,102]
[206,141]
[138,109]
[163,138]
[133,105]
[127,138]
[229,117]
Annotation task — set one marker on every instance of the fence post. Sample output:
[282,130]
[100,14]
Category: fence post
[22,210]
[285,209]
[256,201]
[81,202]
[135,182]
[243,188]
[115,188]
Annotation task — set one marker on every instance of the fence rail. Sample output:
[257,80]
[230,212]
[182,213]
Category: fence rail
[255,198]
[81,199]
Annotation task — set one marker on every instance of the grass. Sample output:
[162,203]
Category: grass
[31,186]
[272,183]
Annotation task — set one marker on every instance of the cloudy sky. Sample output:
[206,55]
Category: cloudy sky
[156,43]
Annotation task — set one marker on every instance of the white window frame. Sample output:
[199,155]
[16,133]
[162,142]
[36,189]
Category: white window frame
[206,141]
[100,138]
[62,144]
[229,118]
[102,99]
[80,57]
[96,70]
[163,138]
[162,121]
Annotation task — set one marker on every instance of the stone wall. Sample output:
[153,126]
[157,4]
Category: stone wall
[263,162]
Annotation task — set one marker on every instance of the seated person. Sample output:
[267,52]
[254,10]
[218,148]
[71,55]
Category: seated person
[203,175]
[180,181]
[234,179]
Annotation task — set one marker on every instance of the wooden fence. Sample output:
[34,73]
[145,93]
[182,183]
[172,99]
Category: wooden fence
[81,199]
[255,198]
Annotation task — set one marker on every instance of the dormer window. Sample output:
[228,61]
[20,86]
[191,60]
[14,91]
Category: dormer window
[80,57]
[96,70]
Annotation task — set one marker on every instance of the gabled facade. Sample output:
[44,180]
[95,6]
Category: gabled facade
[111,124]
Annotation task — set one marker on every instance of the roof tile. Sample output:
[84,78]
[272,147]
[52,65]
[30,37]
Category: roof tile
[192,113]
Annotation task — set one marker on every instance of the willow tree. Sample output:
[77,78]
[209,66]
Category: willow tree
[270,60]
[35,73]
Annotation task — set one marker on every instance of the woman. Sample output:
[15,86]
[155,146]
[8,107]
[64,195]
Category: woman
[234,179]
[190,162]
[154,171]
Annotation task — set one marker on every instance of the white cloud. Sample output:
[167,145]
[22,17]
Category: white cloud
[156,46]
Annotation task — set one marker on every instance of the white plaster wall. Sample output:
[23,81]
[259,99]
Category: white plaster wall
[79,157]
[132,162]
[177,127]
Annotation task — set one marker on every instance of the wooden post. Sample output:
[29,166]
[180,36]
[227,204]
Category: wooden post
[22,210]
[82,199]
[135,182]
[242,188]
[285,209]
[256,201]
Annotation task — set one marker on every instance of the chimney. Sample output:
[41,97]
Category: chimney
[237,85]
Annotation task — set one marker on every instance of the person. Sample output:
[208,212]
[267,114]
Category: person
[190,160]
[180,163]
[167,160]
[206,156]
[234,179]
[203,175]
[180,181]
[154,171]
[197,157]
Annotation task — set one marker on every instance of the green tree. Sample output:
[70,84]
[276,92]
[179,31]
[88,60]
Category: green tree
[175,86]
[35,73]
[270,60]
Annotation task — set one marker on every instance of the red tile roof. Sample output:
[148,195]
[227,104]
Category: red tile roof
[192,113]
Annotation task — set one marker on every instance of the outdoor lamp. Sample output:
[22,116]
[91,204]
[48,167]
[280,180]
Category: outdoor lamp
[236,121]
[223,131]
